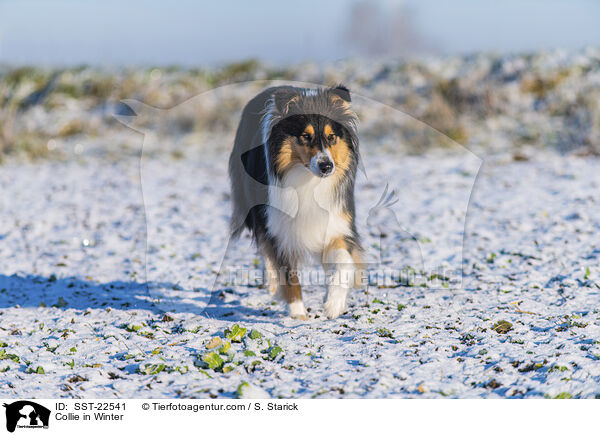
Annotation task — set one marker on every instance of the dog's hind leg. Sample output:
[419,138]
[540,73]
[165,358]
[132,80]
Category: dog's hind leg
[271,267]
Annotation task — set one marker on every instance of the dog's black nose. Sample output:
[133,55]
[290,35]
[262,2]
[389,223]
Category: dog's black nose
[325,167]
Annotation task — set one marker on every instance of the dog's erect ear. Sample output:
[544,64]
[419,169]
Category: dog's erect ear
[341,91]
[283,97]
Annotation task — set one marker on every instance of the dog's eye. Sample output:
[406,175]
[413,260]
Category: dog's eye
[331,137]
[305,136]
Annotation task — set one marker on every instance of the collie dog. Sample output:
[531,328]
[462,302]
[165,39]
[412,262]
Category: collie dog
[292,172]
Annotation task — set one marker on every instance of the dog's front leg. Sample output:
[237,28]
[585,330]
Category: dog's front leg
[292,293]
[340,269]
[287,282]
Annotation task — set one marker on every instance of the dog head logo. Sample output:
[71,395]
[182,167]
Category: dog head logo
[26,414]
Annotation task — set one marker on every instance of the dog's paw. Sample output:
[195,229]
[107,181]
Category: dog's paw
[334,306]
[297,310]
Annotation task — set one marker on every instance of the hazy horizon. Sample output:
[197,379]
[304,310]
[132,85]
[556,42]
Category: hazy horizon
[70,32]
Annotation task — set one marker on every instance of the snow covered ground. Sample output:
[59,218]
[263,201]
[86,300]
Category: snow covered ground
[107,270]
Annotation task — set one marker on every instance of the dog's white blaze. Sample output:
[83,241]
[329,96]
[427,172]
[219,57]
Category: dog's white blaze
[318,218]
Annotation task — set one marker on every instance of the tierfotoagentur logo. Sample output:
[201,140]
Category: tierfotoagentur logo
[25,414]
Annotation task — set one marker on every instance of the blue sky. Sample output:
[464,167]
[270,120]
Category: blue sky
[150,32]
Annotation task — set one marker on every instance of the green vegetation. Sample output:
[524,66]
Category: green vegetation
[502,327]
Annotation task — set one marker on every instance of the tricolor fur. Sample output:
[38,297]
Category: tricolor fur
[292,173]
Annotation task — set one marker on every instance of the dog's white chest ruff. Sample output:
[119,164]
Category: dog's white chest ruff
[304,214]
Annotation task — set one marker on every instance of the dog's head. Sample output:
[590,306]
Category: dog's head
[313,128]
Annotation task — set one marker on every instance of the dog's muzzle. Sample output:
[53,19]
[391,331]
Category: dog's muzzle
[322,164]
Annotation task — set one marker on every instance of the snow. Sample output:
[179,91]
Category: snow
[107,270]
